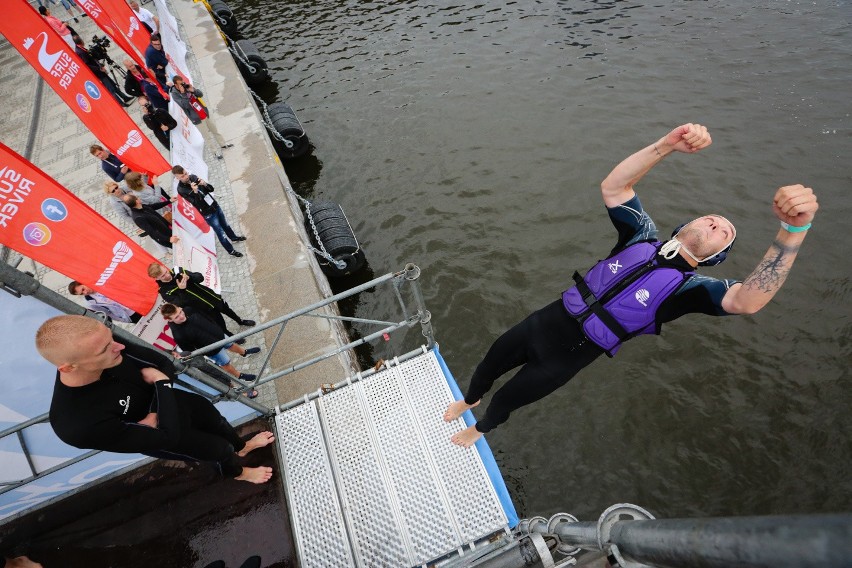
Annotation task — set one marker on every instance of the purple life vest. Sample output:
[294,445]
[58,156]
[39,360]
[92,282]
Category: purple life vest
[619,296]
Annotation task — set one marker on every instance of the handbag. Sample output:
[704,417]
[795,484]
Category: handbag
[199,108]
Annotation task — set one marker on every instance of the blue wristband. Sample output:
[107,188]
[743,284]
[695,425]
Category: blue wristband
[794,229]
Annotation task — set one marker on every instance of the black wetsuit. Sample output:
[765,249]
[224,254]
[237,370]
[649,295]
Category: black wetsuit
[550,346]
[103,415]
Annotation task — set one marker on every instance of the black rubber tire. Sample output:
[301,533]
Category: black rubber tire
[250,52]
[341,245]
[224,17]
[354,262]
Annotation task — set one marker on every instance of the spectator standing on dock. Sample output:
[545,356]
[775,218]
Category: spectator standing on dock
[138,84]
[186,96]
[193,329]
[556,342]
[58,25]
[97,302]
[152,22]
[156,60]
[118,398]
[146,218]
[110,163]
[158,120]
[186,289]
[200,194]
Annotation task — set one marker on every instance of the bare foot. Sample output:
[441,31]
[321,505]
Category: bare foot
[467,437]
[258,441]
[457,408]
[255,474]
[21,562]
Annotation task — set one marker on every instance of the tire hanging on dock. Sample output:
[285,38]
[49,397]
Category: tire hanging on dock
[254,68]
[337,237]
[286,124]
[224,17]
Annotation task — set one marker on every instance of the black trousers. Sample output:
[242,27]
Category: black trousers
[205,435]
[549,346]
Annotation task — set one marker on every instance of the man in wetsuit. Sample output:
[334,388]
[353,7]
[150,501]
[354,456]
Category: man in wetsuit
[118,398]
[592,318]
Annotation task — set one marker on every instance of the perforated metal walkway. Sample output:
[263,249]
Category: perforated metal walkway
[372,478]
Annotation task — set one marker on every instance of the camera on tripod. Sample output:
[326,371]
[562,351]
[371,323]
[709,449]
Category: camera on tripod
[99,47]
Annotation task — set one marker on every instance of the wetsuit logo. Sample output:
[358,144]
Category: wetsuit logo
[614,266]
[125,403]
[642,296]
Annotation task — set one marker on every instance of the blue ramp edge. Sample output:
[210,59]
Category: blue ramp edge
[483,449]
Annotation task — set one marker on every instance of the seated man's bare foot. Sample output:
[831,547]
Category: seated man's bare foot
[255,474]
[259,440]
[467,437]
[21,562]
[457,408]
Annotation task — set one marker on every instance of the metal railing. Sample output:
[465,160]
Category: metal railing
[195,365]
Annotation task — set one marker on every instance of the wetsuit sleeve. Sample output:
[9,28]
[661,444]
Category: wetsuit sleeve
[151,357]
[632,223]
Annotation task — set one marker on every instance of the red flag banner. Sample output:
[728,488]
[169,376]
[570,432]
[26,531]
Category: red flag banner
[119,22]
[49,55]
[47,223]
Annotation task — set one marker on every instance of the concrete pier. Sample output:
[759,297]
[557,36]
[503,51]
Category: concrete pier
[277,275]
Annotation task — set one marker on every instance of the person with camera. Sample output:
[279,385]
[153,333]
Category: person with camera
[186,96]
[200,194]
[158,120]
[184,288]
[90,58]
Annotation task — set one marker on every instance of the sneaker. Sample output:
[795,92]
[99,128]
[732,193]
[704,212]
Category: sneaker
[219,156]
[247,377]
[227,146]
[236,253]
[248,323]
[251,351]
[238,239]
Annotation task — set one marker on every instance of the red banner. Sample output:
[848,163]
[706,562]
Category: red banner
[75,84]
[119,22]
[47,223]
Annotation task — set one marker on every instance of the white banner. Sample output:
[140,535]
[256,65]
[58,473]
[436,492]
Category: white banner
[196,250]
[187,145]
[154,329]
[174,47]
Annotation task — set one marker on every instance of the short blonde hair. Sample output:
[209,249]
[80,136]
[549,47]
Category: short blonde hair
[57,336]
[109,185]
[155,268]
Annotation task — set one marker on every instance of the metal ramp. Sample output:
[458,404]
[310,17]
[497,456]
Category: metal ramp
[372,478]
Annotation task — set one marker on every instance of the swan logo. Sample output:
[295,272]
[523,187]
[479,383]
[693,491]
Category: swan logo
[134,26]
[134,140]
[642,296]
[37,234]
[45,59]
[54,209]
[614,266]
[120,253]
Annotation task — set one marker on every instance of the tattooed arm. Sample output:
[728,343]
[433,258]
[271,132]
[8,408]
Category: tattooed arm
[795,205]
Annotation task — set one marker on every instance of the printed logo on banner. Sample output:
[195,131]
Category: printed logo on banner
[93,90]
[120,253]
[36,234]
[54,209]
[83,102]
[134,140]
[58,64]
[47,60]
[134,25]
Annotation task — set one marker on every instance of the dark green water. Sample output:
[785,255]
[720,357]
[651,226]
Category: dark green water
[471,140]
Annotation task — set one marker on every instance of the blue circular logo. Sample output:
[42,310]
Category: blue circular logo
[54,209]
[93,90]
